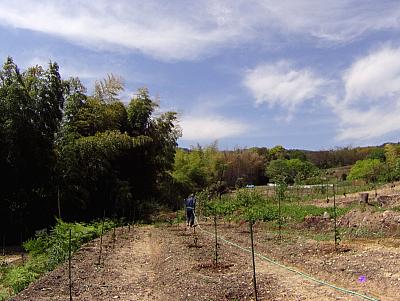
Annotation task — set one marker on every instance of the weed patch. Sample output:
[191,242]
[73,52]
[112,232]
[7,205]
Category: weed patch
[46,251]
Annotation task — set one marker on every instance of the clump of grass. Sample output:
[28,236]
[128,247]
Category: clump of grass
[5,293]
[19,277]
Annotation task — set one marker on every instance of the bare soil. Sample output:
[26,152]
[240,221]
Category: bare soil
[171,263]
[387,197]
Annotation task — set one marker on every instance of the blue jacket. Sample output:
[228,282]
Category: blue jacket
[190,203]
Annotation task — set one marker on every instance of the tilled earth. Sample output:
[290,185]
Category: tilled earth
[375,261]
[171,263]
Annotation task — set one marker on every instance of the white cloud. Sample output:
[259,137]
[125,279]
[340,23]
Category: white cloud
[210,128]
[361,125]
[370,107]
[282,85]
[374,76]
[175,31]
[163,31]
[334,20]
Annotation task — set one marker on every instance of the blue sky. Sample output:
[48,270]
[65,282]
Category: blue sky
[303,74]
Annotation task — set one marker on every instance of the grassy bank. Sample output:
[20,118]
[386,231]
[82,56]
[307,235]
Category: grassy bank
[45,252]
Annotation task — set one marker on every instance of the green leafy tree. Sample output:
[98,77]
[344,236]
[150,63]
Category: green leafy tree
[197,169]
[277,152]
[377,153]
[368,170]
[391,154]
[290,171]
[278,170]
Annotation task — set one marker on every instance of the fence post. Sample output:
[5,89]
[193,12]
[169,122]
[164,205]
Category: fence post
[254,263]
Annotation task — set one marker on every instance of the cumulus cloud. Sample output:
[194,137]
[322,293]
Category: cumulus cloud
[210,128]
[280,84]
[370,107]
[374,76]
[174,31]
[361,125]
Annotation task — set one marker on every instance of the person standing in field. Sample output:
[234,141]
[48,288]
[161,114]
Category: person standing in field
[190,204]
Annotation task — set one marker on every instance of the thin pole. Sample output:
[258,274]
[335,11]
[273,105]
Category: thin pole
[334,216]
[216,240]
[4,245]
[69,265]
[114,237]
[280,213]
[101,236]
[130,217]
[327,193]
[22,253]
[254,263]
[58,202]
[134,219]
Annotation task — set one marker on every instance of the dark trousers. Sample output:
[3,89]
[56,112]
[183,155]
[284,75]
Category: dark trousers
[189,216]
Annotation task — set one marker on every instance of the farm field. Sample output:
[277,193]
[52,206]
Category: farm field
[165,263]
[200,150]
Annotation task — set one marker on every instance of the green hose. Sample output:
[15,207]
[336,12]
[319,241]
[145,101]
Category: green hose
[265,258]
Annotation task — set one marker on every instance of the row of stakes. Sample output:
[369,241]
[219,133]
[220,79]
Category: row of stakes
[195,242]
[100,251]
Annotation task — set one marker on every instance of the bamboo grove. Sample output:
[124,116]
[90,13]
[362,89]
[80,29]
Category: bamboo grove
[65,152]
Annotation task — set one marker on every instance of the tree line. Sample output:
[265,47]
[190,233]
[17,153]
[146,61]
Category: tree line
[207,167]
[65,152]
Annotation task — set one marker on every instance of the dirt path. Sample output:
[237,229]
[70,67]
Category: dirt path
[167,263]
